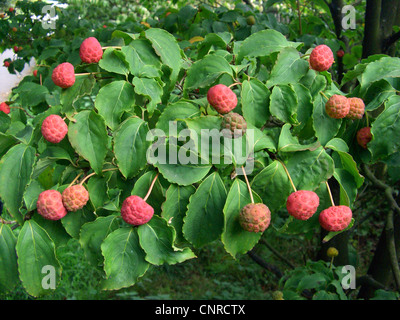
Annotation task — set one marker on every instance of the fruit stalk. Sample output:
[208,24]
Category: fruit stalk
[248,185]
[151,187]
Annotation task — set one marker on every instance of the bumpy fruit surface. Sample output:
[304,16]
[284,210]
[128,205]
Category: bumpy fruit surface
[233,125]
[54,128]
[335,218]
[4,107]
[357,108]
[75,197]
[50,205]
[321,58]
[337,106]
[302,204]
[64,75]
[255,217]
[222,98]
[364,136]
[6,64]
[90,50]
[136,211]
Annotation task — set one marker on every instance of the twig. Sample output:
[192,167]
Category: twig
[93,173]
[270,267]
[6,221]
[275,252]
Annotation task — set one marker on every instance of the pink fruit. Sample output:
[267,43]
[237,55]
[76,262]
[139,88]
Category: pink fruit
[302,204]
[136,211]
[75,197]
[64,75]
[340,53]
[222,98]
[90,50]
[54,128]
[50,205]
[335,218]
[337,106]
[364,136]
[4,107]
[321,58]
[255,217]
[357,108]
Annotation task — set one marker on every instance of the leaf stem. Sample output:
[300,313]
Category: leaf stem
[248,185]
[151,187]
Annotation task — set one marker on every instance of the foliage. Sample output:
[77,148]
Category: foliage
[158,72]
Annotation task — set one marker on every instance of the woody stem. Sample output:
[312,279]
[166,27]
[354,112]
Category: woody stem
[93,173]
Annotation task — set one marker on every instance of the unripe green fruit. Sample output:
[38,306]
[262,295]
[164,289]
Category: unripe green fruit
[332,252]
[250,20]
[233,125]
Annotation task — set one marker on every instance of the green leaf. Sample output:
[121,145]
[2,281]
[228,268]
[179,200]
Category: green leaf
[206,72]
[332,234]
[151,89]
[255,102]
[16,168]
[290,143]
[73,222]
[124,259]
[30,94]
[114,61]
[272,185]
[348,187]
[387,124]
[386,67]
[283,103]
[130,146]
[236,240]
[113,100]
[88,136]
[167,48]
[263,43]
[175,206]
[36,250]
[312,281]
[83,86]
[289,68]
[92,235]
[142,60]
[325,127]
[157,239]
[8,259]
[204,221]
[309,168]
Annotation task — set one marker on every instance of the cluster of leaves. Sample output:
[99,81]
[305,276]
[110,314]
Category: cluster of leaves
[147,83]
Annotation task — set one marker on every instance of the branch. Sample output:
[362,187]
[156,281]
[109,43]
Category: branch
[270,267]
[391,246]
[391,40]
[275,252]
[368,280]
[381,185]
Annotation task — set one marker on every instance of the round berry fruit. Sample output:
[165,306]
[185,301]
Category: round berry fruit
[255,217]
[136,211]
[335,218]
[75,197]
[321,58]
[364,136]
[357,108]
[64,75]
[54,129]
[233,125]
[90,50]
[222,98]
[337,106]
[50,205]
[302,204]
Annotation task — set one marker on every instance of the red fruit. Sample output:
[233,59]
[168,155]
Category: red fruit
[6,64]
[35,73]
[104,26]
[335,218]
[222,98]
[321,58]
[90,50]
[75,197]
[14,29]
[302,204]
[340,53]
[10,9]
[136,211]
[255,217]
[50,205]
[364,136]
[357,108]
[16,49]
[64,75]
[54,128]
[4,107]
[337,106]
